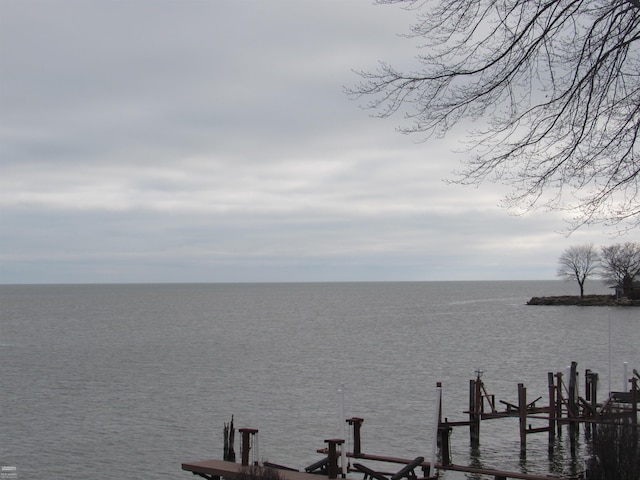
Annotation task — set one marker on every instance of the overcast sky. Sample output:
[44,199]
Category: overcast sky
[212,141]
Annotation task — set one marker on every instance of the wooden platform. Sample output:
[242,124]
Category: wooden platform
[461,468]
[221,468]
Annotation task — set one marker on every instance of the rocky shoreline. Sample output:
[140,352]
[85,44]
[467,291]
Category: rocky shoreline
[586,301]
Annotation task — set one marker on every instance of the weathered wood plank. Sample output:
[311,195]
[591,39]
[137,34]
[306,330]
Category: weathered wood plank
[232,470]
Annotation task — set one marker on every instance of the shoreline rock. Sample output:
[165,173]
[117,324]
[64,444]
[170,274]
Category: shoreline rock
[587,301]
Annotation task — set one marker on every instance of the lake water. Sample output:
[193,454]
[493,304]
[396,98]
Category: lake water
[129,381]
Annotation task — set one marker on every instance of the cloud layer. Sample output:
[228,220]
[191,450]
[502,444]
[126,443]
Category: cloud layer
[212,141]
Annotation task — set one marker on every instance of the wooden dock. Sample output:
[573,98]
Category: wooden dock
[213,469]
[495,473]
[564,407]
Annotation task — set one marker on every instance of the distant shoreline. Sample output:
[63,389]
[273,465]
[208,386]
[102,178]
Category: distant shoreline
[586,301]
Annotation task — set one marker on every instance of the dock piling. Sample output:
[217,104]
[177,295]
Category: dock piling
[558,403]
[474,409]
[356,423]
[522,413]
[229,431]
[247,434]
[552,409]
[332,467]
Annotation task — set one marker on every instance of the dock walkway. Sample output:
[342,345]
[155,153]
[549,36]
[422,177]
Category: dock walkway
[220,468]
[211,469]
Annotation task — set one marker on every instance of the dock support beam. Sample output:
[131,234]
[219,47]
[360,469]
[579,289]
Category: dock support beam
[356,423]
[558,404]
[332,467]
[552,409]
[522,412]
[246,443]
[444,432]
[573,391]
[591,388]
[229,431]
[474,409]
[634,402]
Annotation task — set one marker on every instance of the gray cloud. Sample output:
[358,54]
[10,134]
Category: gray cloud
[212,141]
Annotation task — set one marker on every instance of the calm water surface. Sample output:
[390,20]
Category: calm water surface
[129,381]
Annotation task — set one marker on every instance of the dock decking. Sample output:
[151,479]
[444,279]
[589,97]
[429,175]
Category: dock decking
[211,469]
[222,468]
[565,407]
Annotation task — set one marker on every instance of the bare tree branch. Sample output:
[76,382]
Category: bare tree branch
[557,84]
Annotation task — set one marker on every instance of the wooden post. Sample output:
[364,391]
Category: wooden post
[445,449]
[246,443]
[474,417]
[591,387]
[443,435]
[594,389]
[574,414]
[591,394]
[332,467]
[573,391]
[522,411]
[634,402]
[634,405]
[552,409]
[357,424]
[229,453]
[559,402]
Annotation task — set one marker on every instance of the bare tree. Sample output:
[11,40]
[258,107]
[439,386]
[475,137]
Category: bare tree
[578,262]
[621,265]
[555,82]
